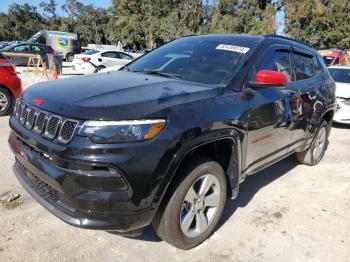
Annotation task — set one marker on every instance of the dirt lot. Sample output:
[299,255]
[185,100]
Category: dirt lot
[288,212]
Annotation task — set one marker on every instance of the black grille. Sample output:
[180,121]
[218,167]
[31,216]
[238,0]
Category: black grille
[52,126]
[40,122]
[45,190]
[45,123]
[30,118]
[67,131]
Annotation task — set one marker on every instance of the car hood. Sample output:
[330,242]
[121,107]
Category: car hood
[114,96]
[342,90]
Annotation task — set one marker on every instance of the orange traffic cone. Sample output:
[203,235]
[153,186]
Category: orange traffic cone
[54,73]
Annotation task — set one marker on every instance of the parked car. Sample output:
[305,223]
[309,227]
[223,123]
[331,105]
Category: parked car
[166,142]
[65,44]
[10,85]
[341,76]
[93,61]
[333,57]
[28,48]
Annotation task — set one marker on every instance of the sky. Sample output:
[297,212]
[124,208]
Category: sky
[4,4]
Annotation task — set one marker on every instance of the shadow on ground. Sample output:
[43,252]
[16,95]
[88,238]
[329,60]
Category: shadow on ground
[248,189]
[340,126]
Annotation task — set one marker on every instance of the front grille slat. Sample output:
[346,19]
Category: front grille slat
[30,118]
[52,126]
[43,123]
[67,131]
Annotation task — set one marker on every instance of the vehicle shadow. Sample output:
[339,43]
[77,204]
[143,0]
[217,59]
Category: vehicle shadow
[340,126]
[248,189]
[254,183]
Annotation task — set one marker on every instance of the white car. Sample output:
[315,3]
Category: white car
[341,76]
[95,60]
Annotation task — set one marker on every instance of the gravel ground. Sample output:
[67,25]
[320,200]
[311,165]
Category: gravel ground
[288,212]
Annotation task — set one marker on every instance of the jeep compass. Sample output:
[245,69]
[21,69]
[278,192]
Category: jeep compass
[166,139]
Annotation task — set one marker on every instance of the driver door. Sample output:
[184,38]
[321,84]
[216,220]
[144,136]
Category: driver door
[270,121]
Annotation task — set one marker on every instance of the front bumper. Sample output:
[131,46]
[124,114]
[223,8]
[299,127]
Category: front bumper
[342,114]
[63,192]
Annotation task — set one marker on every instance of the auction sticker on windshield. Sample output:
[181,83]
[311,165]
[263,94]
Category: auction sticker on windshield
[233,48]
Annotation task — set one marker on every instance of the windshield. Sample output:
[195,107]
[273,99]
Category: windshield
[212,60]
[340,75]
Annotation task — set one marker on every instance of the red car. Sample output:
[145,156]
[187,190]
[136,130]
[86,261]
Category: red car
[10,85]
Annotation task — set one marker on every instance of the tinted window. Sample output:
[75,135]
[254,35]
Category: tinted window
[208,60]
[37,48]
[109,54]
[125,56]
[279,61]
[304,67]
[21,48]
[340,75]
[90,52]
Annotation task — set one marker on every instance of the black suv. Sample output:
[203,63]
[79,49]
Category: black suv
[168,137]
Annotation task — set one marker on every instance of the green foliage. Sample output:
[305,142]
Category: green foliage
[150,23]
[244,17]
[323,23]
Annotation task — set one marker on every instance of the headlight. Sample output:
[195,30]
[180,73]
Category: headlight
[121,131]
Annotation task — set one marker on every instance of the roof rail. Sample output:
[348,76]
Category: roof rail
[288,38]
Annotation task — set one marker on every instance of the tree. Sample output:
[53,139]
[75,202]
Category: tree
[244,17]
[23,21]
[323,23]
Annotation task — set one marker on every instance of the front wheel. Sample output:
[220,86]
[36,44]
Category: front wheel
[6,102]
[318,147]
[195,207]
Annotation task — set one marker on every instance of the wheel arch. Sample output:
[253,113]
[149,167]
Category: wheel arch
[230,159]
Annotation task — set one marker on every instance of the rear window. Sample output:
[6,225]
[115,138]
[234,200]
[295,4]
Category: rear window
[304,67]
[90,52]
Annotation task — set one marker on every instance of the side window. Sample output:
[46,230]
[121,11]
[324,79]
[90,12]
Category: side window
[21,48]
[37,48]
[108,54]
[304,66]
[125,56]
[278,61]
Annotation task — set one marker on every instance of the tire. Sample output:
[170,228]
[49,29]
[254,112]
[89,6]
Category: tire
[314,154]
[70,57]
[170,220]
[6,101]
[98,69]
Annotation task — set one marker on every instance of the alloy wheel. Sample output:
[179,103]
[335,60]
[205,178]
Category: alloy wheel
[200,205]
[3,101]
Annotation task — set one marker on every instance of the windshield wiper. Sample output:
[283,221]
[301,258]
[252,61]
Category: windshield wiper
[160,73]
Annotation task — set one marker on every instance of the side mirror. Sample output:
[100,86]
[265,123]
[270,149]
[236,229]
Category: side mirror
[269,78]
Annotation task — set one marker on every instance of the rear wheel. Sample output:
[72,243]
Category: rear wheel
[6,101]
[195,205]
[70,57]
[318,147]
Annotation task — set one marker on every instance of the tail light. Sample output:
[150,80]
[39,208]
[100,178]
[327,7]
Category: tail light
[8,67]
[51,51]
[86,59]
